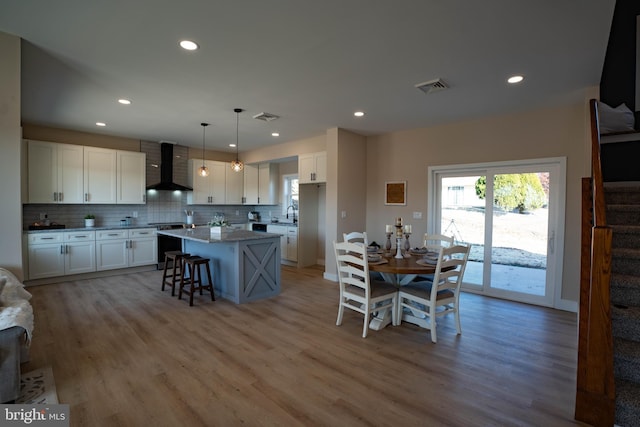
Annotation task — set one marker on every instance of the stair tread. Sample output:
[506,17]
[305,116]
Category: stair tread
[625,228]
[627,349]
[625,252]
[623,207]
[627,402]
[625,279]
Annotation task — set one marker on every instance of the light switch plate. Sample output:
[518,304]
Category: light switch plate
[417,215]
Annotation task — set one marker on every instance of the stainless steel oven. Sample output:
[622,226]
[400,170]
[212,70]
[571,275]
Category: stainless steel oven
[256,226]
[167,243]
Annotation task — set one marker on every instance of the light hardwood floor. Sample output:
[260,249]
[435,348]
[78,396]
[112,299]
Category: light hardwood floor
[125,353]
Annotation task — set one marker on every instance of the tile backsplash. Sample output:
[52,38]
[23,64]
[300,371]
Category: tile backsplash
[161,206]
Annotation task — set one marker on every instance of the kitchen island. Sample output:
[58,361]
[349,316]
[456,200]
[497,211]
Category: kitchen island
[245,265]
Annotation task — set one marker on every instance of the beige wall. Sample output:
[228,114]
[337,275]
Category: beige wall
[285,150]
[406,155]
[10,164]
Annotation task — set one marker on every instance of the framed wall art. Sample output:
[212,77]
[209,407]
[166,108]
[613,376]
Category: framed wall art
[395,193]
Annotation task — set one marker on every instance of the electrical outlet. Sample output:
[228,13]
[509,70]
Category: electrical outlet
[417,215]
[43,215]
[237,212]
[343,214]
[135,214]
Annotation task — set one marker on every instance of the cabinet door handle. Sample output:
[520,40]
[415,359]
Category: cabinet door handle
[62,249]
[86,197]
[66,249]
[112,234]
[244,199]
[59,197]
[46,238]
[55,196]
[144,198]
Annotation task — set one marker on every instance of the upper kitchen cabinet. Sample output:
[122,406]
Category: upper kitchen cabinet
[234,182]
[207,190]
[261,184]
[55,172]
[312,168]
[131,177]
[100,175]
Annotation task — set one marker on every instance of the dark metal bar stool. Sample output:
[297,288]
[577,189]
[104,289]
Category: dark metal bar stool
[176,273]
[193,282]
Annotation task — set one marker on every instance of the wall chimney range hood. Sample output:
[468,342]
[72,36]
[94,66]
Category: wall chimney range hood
[166,171]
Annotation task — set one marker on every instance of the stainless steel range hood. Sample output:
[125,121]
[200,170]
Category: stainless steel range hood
[167,182]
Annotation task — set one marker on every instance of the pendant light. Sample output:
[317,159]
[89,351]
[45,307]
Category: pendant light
[203,170]
[237,165]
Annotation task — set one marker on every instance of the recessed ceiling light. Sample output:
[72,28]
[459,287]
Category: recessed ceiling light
[232,145]
[124,101]
[100,124]
[359,113]
[275,134]
[515,79]
[188,45]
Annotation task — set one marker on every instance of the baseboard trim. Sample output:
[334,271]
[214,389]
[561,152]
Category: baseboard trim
[92,275]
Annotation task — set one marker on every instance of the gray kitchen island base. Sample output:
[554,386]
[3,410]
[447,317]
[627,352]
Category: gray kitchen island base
[245,265]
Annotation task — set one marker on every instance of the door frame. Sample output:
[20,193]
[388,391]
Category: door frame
[557,196]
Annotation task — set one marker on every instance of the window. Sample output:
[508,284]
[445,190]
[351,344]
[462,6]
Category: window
[290,194]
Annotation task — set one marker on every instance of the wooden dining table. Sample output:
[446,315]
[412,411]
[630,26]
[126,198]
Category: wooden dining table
[401,271]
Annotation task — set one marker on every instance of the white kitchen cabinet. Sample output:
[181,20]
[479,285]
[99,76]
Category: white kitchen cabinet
[207,190]
[143,247]
[59,254]
[112,248]
[312,168]
[234,182]
[55,172]
[132,180]
[250,185]
[288,241]
[261,184]
[46,255]
[125,248]
[100,175]
[80,252]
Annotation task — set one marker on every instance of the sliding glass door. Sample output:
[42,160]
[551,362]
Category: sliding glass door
[510,215]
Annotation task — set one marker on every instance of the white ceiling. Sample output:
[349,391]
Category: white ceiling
[311,62]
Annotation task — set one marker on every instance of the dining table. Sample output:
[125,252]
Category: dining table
[400,272]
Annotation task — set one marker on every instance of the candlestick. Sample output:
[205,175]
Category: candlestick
[398,249]
[387,245]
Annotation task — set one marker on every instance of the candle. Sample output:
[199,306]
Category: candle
[407,228]
[389,228]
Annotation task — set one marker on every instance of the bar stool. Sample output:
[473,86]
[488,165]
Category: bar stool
[176,257]
[193,283]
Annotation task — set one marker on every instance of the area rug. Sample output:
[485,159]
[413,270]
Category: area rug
[38,388]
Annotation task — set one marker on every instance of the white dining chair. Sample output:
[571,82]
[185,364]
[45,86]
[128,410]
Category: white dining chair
[357,291]
[433,243]
[442,295]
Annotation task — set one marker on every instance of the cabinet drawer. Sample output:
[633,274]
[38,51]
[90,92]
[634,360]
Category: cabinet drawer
[142,232]
[80,236]
[112,234]
[292,231]
[40,238]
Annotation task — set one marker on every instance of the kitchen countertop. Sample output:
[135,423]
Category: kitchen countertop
[203,234]
[112,227]
[286,224]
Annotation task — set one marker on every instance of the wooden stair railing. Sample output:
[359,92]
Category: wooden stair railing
[595,387]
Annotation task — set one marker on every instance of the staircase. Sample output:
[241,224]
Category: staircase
[623,216]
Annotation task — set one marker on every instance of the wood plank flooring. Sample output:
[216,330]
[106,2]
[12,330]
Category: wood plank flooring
[125,353]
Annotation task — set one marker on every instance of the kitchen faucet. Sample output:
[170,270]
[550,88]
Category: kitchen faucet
[295,220]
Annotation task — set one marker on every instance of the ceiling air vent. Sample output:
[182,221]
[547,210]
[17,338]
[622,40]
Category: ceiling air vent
[266,117]
[432,86]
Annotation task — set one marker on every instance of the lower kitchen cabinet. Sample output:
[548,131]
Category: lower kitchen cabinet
[288,241]
[59,254]
[126,248]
